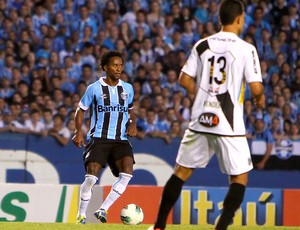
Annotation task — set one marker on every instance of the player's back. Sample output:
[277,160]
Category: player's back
[225,63]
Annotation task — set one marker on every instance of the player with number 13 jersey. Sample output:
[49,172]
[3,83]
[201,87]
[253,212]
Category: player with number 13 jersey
[222,65]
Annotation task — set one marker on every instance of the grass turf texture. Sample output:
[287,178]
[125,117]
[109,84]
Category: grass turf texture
[61,226]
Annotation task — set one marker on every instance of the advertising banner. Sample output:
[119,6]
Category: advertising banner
[261,207]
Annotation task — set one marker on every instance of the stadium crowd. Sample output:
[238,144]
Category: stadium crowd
[49,54]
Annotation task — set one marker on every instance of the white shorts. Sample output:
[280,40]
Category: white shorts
[233,154]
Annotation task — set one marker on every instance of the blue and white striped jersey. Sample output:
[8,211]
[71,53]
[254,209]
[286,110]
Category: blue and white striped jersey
[109,107]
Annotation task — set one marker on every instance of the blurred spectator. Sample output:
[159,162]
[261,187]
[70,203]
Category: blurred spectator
[140,22]
[152,128]
[6,91]
[287,124]
[124,32]
[261,136]
[287,113]
[185,112]
[130,15]
[295,84]
[201,12]
[172,82]
[155,16]
[188,38]
[259,22]
[277,129]
[132,63]
[35,125]
[59,131]
[141,118]
[175,130]
[5,121]
[71,126]
[84,20]
[294,134]
[48,119]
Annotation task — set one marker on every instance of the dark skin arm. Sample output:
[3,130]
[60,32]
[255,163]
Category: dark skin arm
[131,129]
[78,139]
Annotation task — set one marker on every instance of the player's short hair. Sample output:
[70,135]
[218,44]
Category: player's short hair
[108,55]
[229,10]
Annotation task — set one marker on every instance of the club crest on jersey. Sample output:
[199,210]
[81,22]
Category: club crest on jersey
[124,95]
[208,119]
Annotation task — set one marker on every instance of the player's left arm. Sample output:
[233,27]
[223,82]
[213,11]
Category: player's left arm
[131,128]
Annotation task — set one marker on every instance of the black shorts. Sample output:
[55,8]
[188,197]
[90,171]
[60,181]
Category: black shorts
[107,152]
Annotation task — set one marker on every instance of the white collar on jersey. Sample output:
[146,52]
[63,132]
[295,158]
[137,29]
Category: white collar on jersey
[102,82]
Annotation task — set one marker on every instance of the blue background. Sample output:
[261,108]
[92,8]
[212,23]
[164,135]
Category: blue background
[68,163]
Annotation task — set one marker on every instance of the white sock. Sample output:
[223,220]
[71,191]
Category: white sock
[117,190]
[86,193]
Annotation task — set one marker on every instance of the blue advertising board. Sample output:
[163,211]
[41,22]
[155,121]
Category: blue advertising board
[32,159]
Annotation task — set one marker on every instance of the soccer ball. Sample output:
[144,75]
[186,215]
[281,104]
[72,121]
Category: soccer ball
[132,214]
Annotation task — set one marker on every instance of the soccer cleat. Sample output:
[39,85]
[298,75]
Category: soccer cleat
[101,215]
[81,220]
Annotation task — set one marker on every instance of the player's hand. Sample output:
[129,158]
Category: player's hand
[78,140]
[261,102]
[131,130]
[260,165]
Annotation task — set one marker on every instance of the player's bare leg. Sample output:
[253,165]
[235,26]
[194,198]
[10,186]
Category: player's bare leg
[171,193]
[233,199]
[125,168]
[85,193]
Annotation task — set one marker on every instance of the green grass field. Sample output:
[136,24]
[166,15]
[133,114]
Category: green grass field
[60,226]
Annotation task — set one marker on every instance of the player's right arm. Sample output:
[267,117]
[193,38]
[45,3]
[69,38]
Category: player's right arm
[188,82]
[78,139]
[84,104]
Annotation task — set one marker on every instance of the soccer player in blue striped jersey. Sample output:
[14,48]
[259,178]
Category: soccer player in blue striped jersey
[110,103]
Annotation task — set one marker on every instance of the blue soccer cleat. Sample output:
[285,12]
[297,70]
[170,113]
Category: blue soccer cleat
[101,215]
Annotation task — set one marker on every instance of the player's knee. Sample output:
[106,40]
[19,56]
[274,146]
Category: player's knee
[88,183]
[120,186]
[125,177]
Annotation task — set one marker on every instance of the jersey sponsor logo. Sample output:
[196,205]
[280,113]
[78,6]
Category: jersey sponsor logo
[124,95]
[208,119]
[213,104]
[110,108]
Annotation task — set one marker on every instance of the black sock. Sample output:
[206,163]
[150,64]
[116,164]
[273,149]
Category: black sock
[170,195]
[232,202]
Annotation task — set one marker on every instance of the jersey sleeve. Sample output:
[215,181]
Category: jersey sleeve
[87,98]
[190,66]
[252,66]
[130,97]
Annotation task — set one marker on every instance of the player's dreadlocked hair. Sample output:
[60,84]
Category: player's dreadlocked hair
[229,10]
[108,55]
